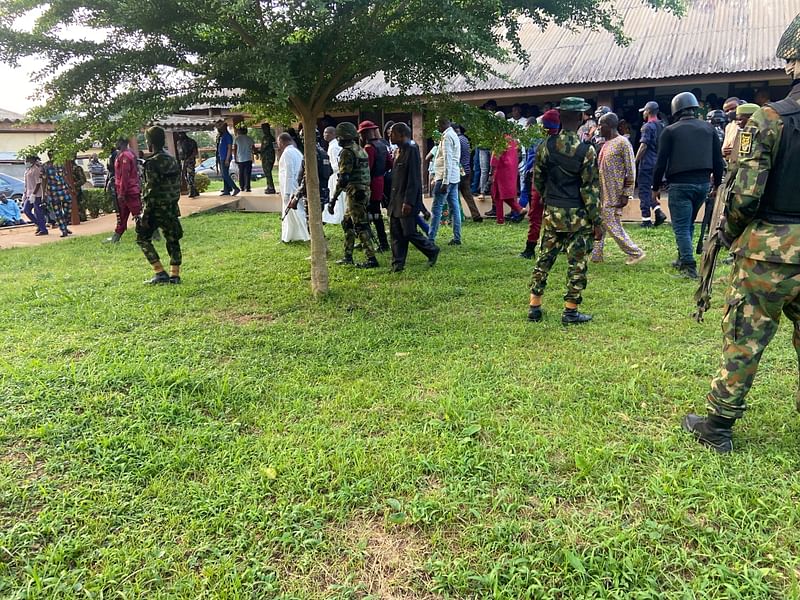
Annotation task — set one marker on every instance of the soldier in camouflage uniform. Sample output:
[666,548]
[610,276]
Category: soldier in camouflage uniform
[565,172]
[354,179]
[763,231]
[162,190]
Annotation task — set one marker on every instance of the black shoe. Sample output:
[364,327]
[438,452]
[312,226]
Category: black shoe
[478,219]
[646,224]
[225,194]
[529,252]
[398,268]
[370,263]
[347,260]
[660,218]
[174,279]
[515,218]
[158,278]
[270,191]
[490,213]
[69,232]
[454,243]
[719,439]
[236,192]
[688,271]
[535,313]
[64,234]
[676,264]
[432,260]
[571,316]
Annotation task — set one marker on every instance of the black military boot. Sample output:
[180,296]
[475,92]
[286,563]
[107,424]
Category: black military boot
[370,263]
[660,218]
[571,316]
[175,279]
[688,271]
[346,260]
[712,431]
[535,313]
[529,252]
[158,278]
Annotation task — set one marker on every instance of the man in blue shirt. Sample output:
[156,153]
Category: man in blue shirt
[9,212]
[646,164]
[224,157]
[465,186]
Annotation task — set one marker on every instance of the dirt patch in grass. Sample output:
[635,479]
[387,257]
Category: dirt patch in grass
[23,460]
[380,561]
[243,319]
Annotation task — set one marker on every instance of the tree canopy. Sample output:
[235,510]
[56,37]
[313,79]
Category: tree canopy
[145,58]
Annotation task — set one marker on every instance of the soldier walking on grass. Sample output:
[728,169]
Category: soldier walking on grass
[565,172]
[187,154]
[162,191]
[354,179]
[763,231]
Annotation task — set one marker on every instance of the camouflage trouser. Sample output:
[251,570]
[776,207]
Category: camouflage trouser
[758,293]
[154,217]
[187,168]
[356,223]
[568,230]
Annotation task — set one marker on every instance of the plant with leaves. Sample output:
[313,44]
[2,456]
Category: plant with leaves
[145,58]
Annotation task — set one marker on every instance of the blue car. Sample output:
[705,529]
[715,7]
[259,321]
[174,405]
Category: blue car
[12,187]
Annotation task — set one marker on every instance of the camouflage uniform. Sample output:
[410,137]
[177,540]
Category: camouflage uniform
[568,229]
[162,190]
[766,277]
[354,178]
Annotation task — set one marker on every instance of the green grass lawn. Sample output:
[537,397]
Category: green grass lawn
[411,436]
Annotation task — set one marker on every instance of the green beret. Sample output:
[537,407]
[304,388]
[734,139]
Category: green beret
[746,109]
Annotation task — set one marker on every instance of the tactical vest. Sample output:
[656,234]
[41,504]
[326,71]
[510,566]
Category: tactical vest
[780,203]
[359,176]
[692,147]
[381,153]
[563,187]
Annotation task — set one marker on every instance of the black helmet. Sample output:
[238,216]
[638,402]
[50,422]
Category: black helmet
[684,101]
[601,110]
[346,131]
[789,46]
[716,117]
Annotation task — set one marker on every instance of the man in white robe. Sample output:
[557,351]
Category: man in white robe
[333,154]
[293,224]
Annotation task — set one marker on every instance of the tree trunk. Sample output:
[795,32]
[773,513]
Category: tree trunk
[319,245]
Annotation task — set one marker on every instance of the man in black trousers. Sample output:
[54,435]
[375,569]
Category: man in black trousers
[405,201]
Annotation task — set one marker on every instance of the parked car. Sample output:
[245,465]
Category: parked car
[12,188]
[207,167]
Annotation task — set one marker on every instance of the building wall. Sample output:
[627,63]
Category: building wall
[14,141]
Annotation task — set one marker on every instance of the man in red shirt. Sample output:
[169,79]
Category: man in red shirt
[380,162]
[128,187]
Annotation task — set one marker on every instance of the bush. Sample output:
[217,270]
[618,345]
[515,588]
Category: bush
[96,200]
[201,182]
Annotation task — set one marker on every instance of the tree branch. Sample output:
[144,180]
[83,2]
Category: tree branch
[247,38]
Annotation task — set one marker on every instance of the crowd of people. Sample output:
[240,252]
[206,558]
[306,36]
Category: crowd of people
[686,155]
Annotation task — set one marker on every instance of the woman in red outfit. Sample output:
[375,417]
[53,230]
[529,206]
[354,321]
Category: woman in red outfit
[505,174]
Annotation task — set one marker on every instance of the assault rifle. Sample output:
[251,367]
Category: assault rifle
[713,245]
[705,228]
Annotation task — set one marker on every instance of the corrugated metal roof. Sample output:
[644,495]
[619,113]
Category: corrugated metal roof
[9,116]
[178,121]
[714,37]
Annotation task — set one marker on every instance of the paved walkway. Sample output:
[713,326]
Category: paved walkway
[24,236]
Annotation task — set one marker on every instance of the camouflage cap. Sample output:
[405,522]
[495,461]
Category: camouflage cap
[789,46]
[346,131]
[574,104]
[155,137]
